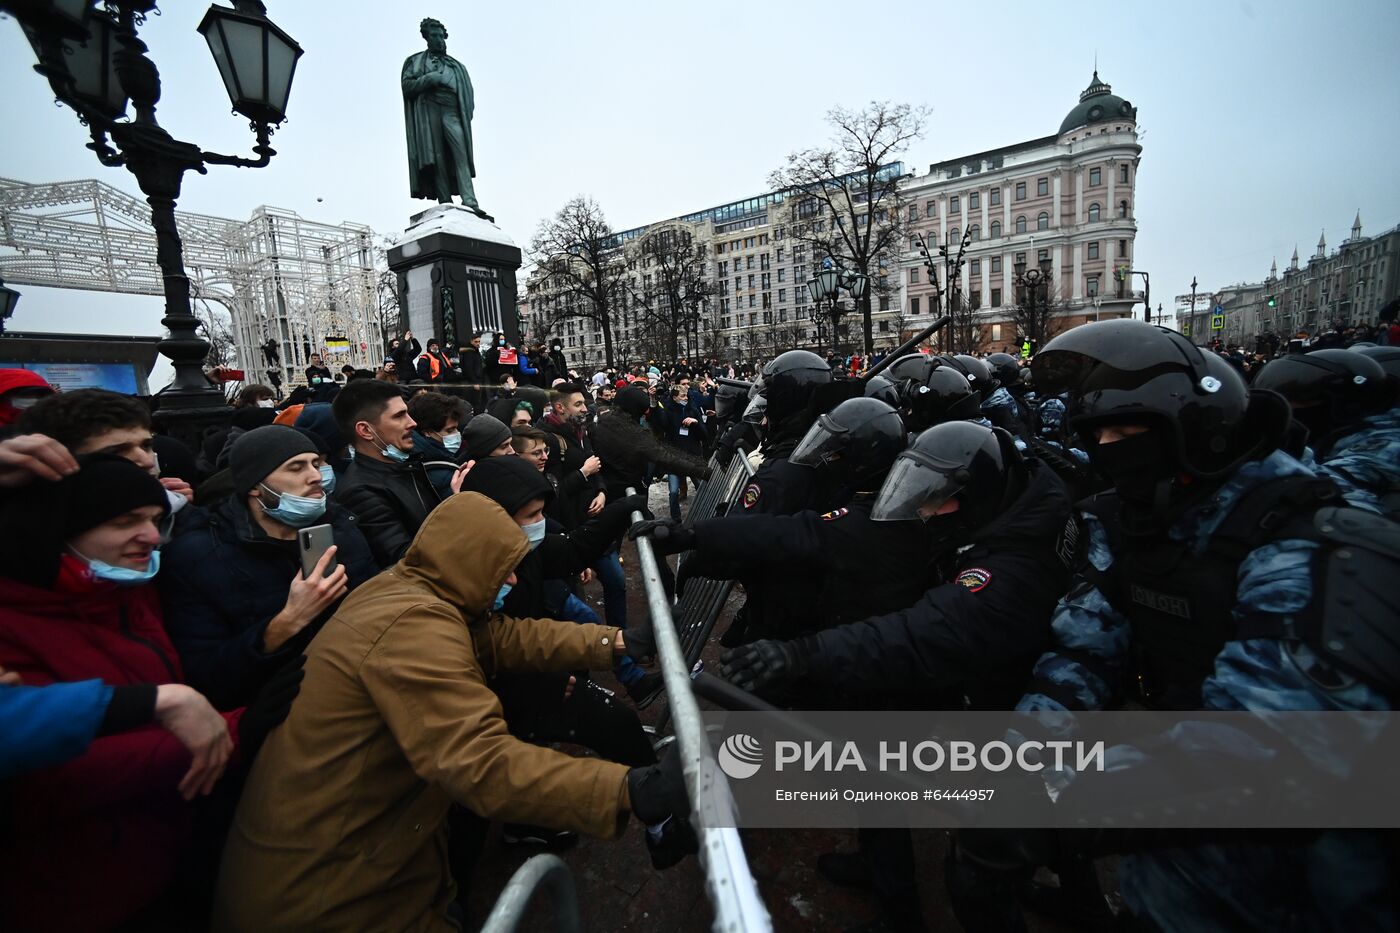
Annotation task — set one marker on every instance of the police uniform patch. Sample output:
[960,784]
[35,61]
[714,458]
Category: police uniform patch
[751,494]
[975,578]
[833,516]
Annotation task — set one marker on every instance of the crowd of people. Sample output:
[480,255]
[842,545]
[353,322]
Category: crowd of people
[283,677]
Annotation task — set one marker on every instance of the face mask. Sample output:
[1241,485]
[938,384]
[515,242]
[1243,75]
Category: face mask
[501,597]
[328,478]
[122,576]
[23,402]
[388,450]
[453,441]
[264,403]
[535,532]
[294,511]
[155,465]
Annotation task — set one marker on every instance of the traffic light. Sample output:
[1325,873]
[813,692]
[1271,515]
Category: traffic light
[1273,302]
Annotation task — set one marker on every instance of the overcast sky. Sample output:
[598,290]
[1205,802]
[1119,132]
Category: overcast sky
[1262,123]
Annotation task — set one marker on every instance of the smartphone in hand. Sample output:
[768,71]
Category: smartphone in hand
[312,543]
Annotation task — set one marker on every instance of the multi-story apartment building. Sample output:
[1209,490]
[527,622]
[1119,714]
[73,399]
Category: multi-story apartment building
[1067,198]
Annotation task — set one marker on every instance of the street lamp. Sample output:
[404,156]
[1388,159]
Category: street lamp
[95,63]
[9,299]
[826,285]
[1193,297]
[1035,283]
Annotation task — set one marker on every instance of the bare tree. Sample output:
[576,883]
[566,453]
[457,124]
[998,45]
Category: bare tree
[578,261]
[963,334]
[846,197]
[1042,319]
[673,289]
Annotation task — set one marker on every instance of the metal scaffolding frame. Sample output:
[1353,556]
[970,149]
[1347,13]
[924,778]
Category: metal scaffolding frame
[279,275]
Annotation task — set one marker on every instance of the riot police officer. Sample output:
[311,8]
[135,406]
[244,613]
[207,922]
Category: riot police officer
[1197,565]
[786,385]
[1000,523]
[1344,398]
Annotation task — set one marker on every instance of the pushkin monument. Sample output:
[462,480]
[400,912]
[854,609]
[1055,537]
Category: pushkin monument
[455,267]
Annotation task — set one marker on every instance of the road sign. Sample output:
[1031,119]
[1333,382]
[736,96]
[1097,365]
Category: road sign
[1217,319]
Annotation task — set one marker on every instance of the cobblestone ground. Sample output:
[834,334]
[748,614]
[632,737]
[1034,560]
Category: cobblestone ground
[618,889]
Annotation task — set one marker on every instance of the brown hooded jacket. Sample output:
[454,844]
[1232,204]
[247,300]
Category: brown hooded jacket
[342,823]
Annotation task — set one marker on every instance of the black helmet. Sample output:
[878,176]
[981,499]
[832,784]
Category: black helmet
[1006,368]
[978,373]
[858,441]
[885,390]
[756,411]
[940,394]
[726,400]
[788,381]
[1129,371]
[978,465]
[1388,357]
[1328,388]
[907,367]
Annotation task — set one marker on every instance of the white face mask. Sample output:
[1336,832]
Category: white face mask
[264,403]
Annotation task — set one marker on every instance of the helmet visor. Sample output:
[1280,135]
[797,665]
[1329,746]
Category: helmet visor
[823,442]
[756,411]
[917,479]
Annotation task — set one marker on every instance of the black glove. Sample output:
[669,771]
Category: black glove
[271,705]
[658,791]
[668,536]
[766,663]
[641,644]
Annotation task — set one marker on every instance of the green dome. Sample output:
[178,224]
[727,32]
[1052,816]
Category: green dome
[1098,104]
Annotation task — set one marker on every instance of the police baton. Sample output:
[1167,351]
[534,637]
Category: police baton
[906,347]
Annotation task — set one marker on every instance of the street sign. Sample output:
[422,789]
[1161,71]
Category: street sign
[1217,319]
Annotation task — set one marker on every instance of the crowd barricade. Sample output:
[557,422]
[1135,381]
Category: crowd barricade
[729,883]
[699,607]
[542,871]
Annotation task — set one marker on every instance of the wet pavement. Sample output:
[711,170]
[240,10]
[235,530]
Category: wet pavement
[619,890]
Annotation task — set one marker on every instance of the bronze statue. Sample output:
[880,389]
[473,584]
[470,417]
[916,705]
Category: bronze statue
[437,113]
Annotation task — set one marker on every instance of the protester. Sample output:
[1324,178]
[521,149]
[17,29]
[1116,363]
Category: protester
[437,435]
[20,389]
[483,437]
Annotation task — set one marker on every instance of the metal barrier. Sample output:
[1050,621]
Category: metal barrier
[547,871]
[696,612]
[728,882]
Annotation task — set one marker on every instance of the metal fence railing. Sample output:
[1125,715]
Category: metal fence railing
[542,871]
[729,883]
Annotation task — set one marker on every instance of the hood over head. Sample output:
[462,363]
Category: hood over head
[464,551]
[510,482]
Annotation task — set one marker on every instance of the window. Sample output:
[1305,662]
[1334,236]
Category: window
[1123,174]
[782,295]
[763,261]
[1094,213]
[994,197]
[1041,255]
[1042,221]
[1021,224]
[753,300]
[996,229]
[1122,208]
[1042,187]
[976,267]
[1095,177]
[975,300]
[974,200]
[750,281]
[753,318]
[1123,248]
[931,209]
[780,254]
[954,235]
[996,264]
[884,326]
[953,205]
[996,332]
[1094,249]
[748,262]
[1092,286]
[913,212]
[884,302]
[914,306]
[996,298]
[766,282]
[1020,258]
[1020,190]
[738,283]
[913,276]
[724,268]
[975,232]
[780,274]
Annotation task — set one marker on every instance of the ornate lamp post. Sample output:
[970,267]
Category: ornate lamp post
[826,285]
[9,299]
[1036,285]
[95,62]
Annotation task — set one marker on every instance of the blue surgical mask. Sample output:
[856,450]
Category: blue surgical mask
[535,532]
[123,576]
[453,441]
[389,450]
[328,478]
[294,511]
[501,597]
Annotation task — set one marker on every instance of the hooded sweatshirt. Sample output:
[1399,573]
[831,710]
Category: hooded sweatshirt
[342,824]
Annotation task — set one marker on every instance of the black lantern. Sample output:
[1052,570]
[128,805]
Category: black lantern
[856,283]
[93,70]
[255,59]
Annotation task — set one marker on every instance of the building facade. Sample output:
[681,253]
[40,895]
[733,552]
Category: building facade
[1067,199]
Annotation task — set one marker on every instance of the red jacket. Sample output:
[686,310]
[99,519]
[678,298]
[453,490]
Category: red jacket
[91,842]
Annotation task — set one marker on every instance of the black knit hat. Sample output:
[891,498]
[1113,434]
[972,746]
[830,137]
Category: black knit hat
[482,435]
[510,482]
[104,487]
[261,451]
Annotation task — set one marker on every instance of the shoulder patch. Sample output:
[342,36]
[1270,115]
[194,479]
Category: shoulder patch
[833,516]
[751,494]
[974,578]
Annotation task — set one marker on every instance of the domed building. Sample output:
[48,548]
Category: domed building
[1058,206]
